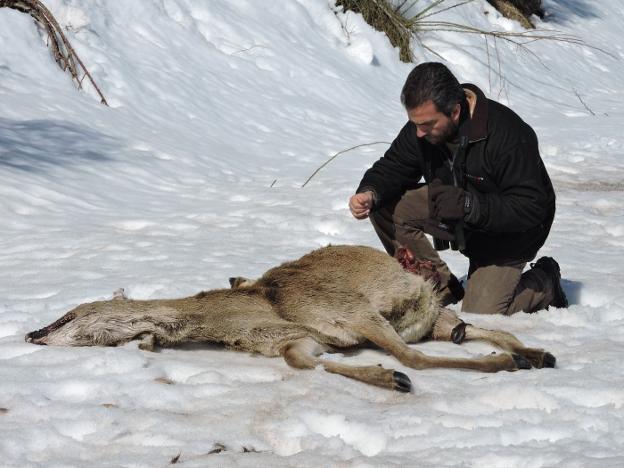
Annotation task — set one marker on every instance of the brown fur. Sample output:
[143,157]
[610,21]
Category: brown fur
[334,297]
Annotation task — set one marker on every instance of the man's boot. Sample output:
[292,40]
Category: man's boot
[549,266]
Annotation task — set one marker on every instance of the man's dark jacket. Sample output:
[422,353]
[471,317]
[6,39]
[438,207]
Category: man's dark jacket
[514,197]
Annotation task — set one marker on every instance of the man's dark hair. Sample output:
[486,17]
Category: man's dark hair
[432,81]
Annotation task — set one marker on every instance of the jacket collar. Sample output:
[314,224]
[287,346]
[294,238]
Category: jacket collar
[476,126]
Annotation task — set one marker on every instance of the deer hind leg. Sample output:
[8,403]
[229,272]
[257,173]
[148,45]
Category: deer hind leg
[304,353]
[377,329]
[449,327]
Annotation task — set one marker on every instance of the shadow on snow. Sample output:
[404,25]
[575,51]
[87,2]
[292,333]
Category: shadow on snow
[561,11]
[37,145]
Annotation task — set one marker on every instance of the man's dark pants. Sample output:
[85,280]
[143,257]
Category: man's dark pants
[490,289]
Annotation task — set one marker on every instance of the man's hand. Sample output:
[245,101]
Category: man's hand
[360,204]
[446,202]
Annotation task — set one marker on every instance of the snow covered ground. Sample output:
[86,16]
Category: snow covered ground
[220,110]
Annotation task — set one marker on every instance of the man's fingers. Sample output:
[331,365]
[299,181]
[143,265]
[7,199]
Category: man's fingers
[360,212]
[360,205]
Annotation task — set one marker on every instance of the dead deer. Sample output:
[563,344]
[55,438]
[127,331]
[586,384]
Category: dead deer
[333,297]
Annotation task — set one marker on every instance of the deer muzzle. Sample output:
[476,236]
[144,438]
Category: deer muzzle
[40,336]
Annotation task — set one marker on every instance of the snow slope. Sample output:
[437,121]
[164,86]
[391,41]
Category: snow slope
[220,110]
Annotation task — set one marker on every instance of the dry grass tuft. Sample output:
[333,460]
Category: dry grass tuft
[400,24]
[519,11]
[383,17]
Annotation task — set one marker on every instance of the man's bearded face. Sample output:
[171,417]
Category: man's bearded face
[433,125]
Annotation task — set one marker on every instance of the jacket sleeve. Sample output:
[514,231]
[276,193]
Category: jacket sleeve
[524,198]
[399,168]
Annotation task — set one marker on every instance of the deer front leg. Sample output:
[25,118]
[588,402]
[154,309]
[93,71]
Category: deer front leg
[506,341]
[376,329]
[449,327]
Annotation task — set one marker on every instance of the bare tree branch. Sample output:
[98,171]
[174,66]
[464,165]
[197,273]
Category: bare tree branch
[64,54]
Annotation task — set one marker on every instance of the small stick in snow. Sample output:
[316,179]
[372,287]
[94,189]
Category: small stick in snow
[583,102]
[338,154]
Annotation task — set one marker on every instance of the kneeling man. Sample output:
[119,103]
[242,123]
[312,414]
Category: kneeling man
[486,192]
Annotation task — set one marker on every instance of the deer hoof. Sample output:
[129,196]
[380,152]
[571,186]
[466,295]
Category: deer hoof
[521,362]
[458,334]
[402,383]
[549,360]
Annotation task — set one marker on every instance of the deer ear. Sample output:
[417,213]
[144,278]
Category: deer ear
[237,281]
[240,282]
[120,295]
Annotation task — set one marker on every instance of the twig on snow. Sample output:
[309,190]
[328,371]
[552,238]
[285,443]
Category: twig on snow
[583,102]
[338,154]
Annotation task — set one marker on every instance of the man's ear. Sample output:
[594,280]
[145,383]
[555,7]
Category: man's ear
[455,113]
